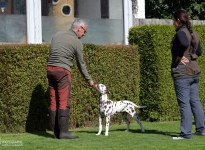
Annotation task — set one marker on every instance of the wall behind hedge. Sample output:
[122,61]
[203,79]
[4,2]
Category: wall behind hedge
[24,97]
[156,85]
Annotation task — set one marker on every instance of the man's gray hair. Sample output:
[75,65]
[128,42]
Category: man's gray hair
[77,23]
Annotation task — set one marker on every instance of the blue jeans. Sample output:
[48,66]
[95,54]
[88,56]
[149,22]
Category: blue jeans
[187,93]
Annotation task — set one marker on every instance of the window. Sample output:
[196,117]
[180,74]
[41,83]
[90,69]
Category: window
[66,10]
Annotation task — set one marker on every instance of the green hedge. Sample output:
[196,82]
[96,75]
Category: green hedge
[24,97]
[156,85]
[23,94]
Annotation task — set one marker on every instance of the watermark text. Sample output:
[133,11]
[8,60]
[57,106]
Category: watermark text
[10,142]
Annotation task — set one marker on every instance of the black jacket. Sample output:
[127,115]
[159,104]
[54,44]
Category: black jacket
[181,46]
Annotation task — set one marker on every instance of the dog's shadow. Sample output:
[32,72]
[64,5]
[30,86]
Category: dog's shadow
[138,131]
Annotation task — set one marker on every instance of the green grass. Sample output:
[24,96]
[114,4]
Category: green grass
[157,136]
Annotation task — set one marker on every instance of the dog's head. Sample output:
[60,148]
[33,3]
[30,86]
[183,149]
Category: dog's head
[102,89]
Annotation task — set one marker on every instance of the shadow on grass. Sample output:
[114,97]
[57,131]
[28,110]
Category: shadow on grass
[43,134]
[155,132]
[137,131]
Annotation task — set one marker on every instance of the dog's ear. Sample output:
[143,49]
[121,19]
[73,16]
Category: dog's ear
[108,92]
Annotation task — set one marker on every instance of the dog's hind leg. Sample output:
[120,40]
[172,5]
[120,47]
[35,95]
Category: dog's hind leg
[100,125]
[139,122]
[124,118]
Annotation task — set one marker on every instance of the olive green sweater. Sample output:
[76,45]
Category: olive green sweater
[64,47]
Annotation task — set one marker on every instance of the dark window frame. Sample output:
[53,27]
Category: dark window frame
[104,4]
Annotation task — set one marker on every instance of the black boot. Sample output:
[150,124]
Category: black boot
[54,120]
[63,116]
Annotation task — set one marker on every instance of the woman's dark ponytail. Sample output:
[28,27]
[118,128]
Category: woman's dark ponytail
[193,40]
[183,16]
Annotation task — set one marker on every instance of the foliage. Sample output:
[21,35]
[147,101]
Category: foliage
[163,9]
[23,88]
[156,86]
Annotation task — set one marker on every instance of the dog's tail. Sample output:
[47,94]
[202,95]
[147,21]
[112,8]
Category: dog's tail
[138,106]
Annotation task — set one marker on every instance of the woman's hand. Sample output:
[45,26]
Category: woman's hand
[183,60]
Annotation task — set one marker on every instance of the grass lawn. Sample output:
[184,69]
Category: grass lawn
[157,136]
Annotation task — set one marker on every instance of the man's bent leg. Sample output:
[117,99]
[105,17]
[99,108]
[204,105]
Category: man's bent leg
[63,113]
[64,87]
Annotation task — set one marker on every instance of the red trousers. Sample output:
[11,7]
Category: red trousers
[59,80]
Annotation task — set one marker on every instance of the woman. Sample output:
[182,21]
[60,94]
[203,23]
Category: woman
[185,49]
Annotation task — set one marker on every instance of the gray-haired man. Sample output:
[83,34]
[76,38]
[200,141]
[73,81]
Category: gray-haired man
[64,47]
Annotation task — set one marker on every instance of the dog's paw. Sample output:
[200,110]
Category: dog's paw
[126,130]
[106,133]
[143,131]
[98,133]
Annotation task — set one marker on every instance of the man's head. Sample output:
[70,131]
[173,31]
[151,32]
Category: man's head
[80,27]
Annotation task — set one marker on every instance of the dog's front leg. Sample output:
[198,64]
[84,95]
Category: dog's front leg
[107,125]
[100,125]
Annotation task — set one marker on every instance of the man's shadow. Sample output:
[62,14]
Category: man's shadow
[38,120]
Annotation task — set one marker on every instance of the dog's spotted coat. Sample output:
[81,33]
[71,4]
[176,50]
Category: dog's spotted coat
[108,108]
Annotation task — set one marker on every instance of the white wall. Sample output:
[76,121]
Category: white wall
[141,9]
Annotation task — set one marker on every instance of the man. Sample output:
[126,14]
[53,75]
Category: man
[64,47]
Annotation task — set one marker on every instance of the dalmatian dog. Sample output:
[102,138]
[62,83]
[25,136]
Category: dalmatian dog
[108,108]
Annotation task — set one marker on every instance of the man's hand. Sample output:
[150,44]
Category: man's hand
[183,60]
[91,83]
